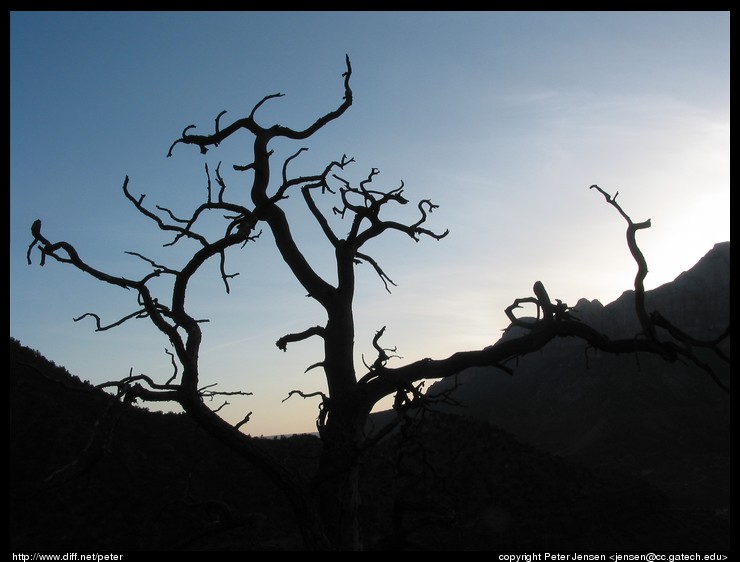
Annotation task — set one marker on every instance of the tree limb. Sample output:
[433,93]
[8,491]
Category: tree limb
[283,342]
[383,277]
[100,328]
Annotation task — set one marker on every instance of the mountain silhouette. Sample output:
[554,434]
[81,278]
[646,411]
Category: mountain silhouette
[668,423]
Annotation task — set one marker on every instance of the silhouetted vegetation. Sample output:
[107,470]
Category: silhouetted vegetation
[449,483]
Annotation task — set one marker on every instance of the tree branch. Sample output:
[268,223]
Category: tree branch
[100,328]
[160,223]
[321,121]
[243,421]
[248,123]
[318,215]
[283,342]
[383,277]
[642,269]
[302,394]
[383,357]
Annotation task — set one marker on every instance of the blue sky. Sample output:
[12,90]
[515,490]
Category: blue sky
[503,119]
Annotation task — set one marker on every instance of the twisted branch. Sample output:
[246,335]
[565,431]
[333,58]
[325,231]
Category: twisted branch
[642,268]
[248,123]
[100,328]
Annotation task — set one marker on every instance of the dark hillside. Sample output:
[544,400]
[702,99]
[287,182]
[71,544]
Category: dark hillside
[159,483]
[668,423]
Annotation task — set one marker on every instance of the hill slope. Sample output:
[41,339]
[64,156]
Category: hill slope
[152,481]
[668,423]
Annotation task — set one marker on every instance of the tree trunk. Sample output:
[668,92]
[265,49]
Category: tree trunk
[337,483]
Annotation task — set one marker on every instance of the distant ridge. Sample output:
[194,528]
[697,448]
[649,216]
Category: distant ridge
[668,423]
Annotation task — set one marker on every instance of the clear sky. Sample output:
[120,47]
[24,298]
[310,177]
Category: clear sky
[503,119]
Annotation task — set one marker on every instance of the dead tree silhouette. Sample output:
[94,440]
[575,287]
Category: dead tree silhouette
[326,504]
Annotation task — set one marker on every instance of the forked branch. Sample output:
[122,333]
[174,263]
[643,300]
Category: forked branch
[203,142]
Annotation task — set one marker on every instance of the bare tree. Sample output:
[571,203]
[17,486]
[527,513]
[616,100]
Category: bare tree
[326,504]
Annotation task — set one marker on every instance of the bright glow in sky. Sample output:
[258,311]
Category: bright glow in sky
[502,119]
